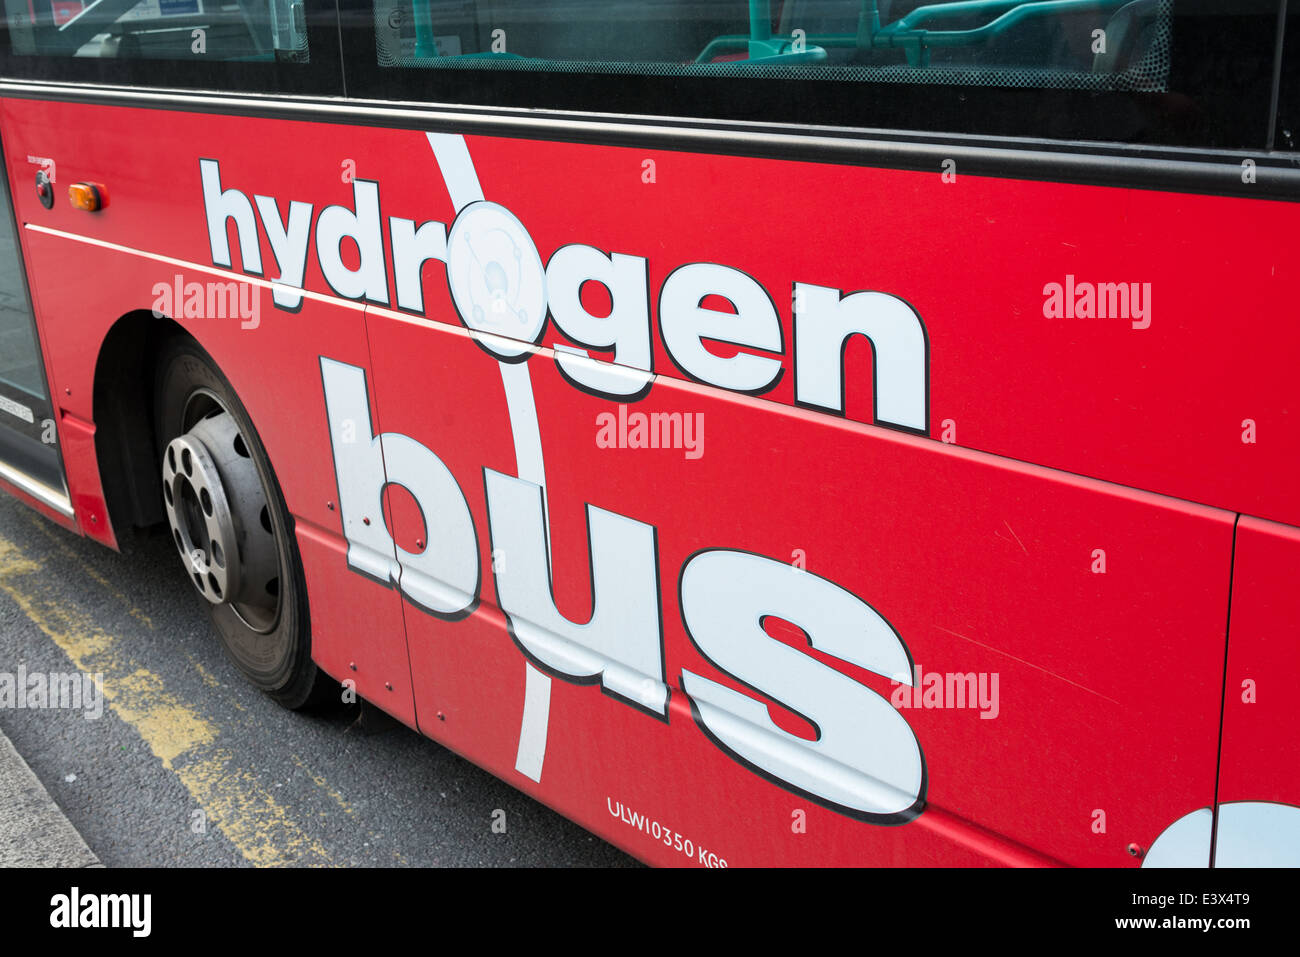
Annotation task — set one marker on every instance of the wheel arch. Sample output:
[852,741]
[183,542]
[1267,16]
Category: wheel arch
[122,403]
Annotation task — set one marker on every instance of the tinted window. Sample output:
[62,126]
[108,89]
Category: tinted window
[250,30]
[1168,72]
[1092,44]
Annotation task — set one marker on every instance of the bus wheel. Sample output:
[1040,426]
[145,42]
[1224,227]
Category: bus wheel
[231,527]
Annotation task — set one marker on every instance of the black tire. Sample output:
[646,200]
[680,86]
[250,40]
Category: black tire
[277,656]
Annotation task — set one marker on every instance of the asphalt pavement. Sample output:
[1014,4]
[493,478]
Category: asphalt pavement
[186,765]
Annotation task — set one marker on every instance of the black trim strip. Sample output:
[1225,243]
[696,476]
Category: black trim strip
[1167,169]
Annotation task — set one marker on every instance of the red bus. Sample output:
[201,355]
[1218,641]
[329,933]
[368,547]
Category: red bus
[810,432]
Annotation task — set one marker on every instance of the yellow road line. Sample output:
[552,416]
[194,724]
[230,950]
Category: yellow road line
[52,532]
[321,783]
[184,741]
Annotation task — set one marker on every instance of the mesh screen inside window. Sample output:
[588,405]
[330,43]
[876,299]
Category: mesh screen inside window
[1062,44]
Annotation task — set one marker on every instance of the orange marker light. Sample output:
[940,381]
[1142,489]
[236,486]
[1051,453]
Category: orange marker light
[88,196]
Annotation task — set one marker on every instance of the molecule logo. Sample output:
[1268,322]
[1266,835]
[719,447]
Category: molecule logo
[496,276]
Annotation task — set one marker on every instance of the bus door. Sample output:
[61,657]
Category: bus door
[29,447]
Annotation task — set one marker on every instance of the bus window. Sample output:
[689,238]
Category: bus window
[1195,73]
[1077,44]
[248,30]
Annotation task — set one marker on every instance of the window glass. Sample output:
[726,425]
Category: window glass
[200,30]
[1076,44]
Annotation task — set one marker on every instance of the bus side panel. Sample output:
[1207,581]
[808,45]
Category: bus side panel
[1183,388]
[274,367]
[78,444]
[149,165]
[1005,275]
[981,566]
[1090,618]
[1259,778]
[357,632]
